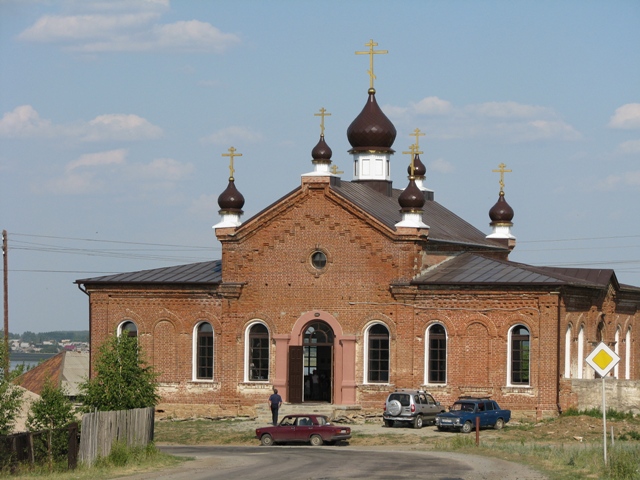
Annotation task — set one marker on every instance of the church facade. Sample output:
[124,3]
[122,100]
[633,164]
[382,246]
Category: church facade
[342,291]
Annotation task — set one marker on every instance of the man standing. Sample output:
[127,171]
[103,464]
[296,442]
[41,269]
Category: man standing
[275,401]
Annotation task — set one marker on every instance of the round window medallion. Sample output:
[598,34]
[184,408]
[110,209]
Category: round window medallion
[318,260]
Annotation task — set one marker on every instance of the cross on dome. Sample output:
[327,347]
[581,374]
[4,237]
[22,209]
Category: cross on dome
[371,52]
[323,113]
[502,170]
[232,153]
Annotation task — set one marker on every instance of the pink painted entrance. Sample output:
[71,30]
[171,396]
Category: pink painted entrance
[333,356]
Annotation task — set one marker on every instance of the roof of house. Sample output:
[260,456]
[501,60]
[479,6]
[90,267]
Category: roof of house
[66,369]
[474,269]
[201,273]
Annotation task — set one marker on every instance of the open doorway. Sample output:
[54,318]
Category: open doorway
[311,365]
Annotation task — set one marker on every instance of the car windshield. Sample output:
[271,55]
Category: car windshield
[462,407]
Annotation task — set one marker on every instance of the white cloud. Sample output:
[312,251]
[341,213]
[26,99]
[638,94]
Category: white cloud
[99,171]
[626,117]
[24,121]
[630,146]
[612,182]
[509,122]
[432,106]
[205,207]
[508,110]
[441,166]
[229,135]
[120,127]
[161,169]
[132,32]
[111,157]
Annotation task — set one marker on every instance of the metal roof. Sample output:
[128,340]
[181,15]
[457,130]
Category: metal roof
[194,273]
[444,225]
[473,269]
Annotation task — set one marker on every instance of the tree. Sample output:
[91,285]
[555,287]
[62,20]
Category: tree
[10,394]
[122,379]
[52,412]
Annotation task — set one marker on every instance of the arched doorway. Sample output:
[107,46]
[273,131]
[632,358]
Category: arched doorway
[311,365]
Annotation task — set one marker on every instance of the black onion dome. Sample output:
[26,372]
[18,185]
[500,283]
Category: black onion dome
[321,152]
[231,199]
[371,129]
[412,197]
[419,170]
[501,212]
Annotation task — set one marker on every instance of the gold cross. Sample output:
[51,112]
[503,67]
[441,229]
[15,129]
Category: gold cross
[413,151]
[334,170]
[232,153]
[502,171]
[323,113]
[417,133]
[371,53]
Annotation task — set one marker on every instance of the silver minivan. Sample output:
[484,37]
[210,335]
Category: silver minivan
[413,407]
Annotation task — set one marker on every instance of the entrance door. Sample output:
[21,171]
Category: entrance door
[318,362]
[295,374]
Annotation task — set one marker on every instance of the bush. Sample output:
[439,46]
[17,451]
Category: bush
[10,395]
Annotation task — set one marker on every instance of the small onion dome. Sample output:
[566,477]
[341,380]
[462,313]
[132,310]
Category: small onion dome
[321,152]
[231,200]
[412,197]
[501,212]
[419,170]
[371,130]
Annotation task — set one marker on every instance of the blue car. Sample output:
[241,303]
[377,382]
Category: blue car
[462,415]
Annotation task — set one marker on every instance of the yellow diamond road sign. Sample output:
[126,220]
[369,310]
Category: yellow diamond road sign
[602,359]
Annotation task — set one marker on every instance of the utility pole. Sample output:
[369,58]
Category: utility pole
[6,303]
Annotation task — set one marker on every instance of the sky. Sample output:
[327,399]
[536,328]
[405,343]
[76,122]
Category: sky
[114,116]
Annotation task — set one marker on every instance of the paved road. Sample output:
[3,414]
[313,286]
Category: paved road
[333,463]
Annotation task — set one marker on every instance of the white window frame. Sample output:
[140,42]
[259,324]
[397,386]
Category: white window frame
[567,351]
[616,348]
[366,354]
[627,355]
[581,352]
[247,349]
[426,355]
[128,320]
[509,367]
[194,353]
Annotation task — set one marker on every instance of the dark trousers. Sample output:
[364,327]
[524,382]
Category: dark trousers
[274,415]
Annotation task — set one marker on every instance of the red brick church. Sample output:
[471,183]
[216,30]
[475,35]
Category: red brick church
[344,290]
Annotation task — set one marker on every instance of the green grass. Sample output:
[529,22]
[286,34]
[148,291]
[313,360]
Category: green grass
[597,413]
[122,461]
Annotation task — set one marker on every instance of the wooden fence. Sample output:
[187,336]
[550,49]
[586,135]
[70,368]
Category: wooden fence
[100,430]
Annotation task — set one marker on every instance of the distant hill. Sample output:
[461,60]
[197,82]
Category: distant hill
[58,335]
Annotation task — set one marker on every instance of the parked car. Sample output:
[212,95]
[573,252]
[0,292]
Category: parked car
[313,429]
[413,407]
[462,415]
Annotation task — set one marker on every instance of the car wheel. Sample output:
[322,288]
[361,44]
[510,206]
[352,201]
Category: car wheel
[499,424]
[388,423]
[417,422]
[467,427]
[394,408]
[441,429]
[266,440]
[316,440]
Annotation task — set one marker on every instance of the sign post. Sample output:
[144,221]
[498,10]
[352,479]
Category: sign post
[602,360]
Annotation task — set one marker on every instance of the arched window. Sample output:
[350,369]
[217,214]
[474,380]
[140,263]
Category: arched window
[567,352]
[203,351]
[616,348]
[436,354]
[258,353]
[128,328]
[581,352]
[519,341]
[378,354]
[627,355]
